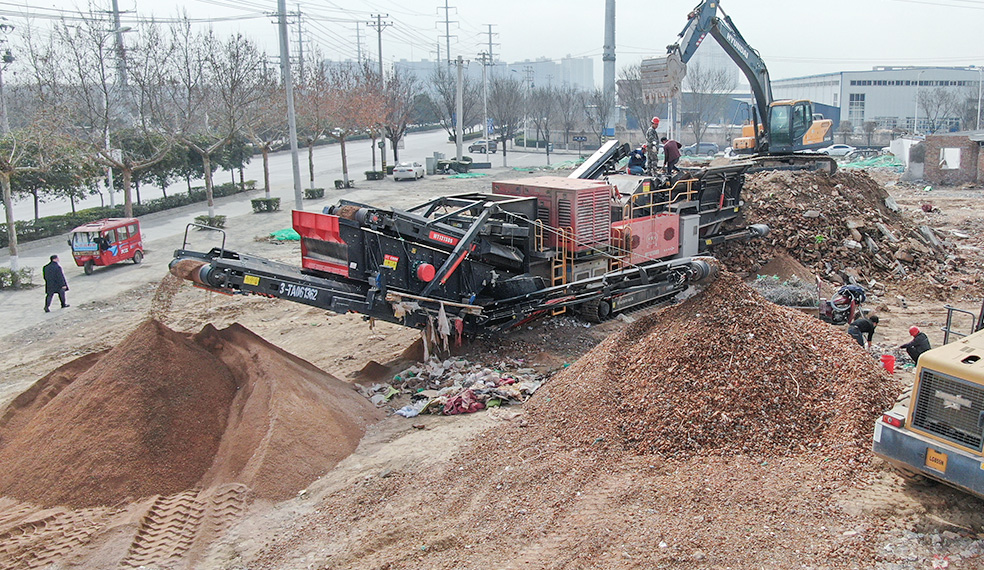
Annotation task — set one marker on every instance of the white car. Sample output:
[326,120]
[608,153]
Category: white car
[408,171]
[838,150]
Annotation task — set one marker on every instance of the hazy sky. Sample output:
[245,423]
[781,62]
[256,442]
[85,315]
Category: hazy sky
[794,37]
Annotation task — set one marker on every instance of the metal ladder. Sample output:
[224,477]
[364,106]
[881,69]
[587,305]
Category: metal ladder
[562,262]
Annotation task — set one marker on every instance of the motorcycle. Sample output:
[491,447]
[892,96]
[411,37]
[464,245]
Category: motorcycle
[844,307]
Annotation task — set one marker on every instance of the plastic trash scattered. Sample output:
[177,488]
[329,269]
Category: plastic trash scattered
[457,386]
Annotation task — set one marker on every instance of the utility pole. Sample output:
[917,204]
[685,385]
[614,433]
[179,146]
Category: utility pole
[6,60]
[490,34]
[379,26]
[486,59]
[447,28]
[460,107]
[300,46]
[120,50]
[289,88]
[608,62]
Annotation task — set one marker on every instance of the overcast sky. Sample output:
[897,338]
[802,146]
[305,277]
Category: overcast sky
[794,37]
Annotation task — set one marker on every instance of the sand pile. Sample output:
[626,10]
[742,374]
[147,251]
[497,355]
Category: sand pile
[840,226]
[162,412]
[725,372]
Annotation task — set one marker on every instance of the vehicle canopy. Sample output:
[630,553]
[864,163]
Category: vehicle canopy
[84,236]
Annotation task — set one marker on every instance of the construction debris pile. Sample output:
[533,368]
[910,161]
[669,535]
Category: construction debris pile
[163,412]
[456,386]
[845,227]
[725,372]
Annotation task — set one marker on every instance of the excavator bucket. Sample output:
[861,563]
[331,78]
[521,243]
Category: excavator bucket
[662,77]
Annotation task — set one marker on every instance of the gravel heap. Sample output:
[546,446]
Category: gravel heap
[843,227]
[724,373]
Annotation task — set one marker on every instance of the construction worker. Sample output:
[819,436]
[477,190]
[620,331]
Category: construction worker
[862,327]
[637,162]
[652,137]
[918,345]
[671,155]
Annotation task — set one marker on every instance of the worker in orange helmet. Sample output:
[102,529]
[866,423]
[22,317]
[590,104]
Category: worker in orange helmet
[918,345]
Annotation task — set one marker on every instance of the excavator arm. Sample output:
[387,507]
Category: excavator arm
[704,20]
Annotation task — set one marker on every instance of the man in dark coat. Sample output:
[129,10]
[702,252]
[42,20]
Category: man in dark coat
[918,345]
[54,283]
[862,327]
[671,155]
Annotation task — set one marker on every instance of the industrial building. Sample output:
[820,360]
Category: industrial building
[888,95]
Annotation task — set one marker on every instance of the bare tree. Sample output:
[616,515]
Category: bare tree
[940,107]
[505,109]
[266,123]
[445,86]
[599,108]
[312,110]
[543,107]
[708,89]
[570,110]
[98,106]
[354,106]
[38,148]
[845,129]
[869,129]
[631,97]
[399,92]
[213,89]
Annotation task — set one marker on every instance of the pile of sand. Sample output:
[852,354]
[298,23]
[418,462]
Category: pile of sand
[725,372]
[163,412]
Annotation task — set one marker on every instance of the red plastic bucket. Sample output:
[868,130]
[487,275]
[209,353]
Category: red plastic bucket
[888,361]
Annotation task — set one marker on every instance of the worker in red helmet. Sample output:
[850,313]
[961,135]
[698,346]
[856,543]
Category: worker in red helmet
[652,147]
[651,135]
[918,345]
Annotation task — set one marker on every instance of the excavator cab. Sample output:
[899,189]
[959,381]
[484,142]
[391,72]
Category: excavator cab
[793,127]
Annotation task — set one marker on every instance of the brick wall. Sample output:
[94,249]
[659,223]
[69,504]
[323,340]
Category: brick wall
[970,161]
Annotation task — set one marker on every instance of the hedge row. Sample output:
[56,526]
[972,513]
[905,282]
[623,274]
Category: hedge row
[50,226]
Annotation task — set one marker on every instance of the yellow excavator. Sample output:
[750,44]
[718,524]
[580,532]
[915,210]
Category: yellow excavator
[781,133]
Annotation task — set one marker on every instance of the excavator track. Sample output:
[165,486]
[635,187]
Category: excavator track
[808,162]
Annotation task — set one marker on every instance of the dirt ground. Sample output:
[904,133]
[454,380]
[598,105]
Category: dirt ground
[467,492]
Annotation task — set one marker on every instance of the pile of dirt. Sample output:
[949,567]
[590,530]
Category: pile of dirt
[714,434]
[724,373]
[162,412]
[844,227]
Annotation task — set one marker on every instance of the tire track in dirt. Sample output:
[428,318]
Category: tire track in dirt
[177,525]
[590,511]
[167,530]
[48,536]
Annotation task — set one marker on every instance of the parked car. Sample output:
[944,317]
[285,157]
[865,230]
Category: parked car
[838,150]
[479,146]
[408,171]
[705,149]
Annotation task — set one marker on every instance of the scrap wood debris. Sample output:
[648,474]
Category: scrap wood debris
[724,373]
[845,227]
[458,386]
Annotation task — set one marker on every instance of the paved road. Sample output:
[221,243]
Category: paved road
[164,231]
[328,168]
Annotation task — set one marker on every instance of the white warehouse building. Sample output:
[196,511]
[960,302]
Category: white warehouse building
[886,95]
